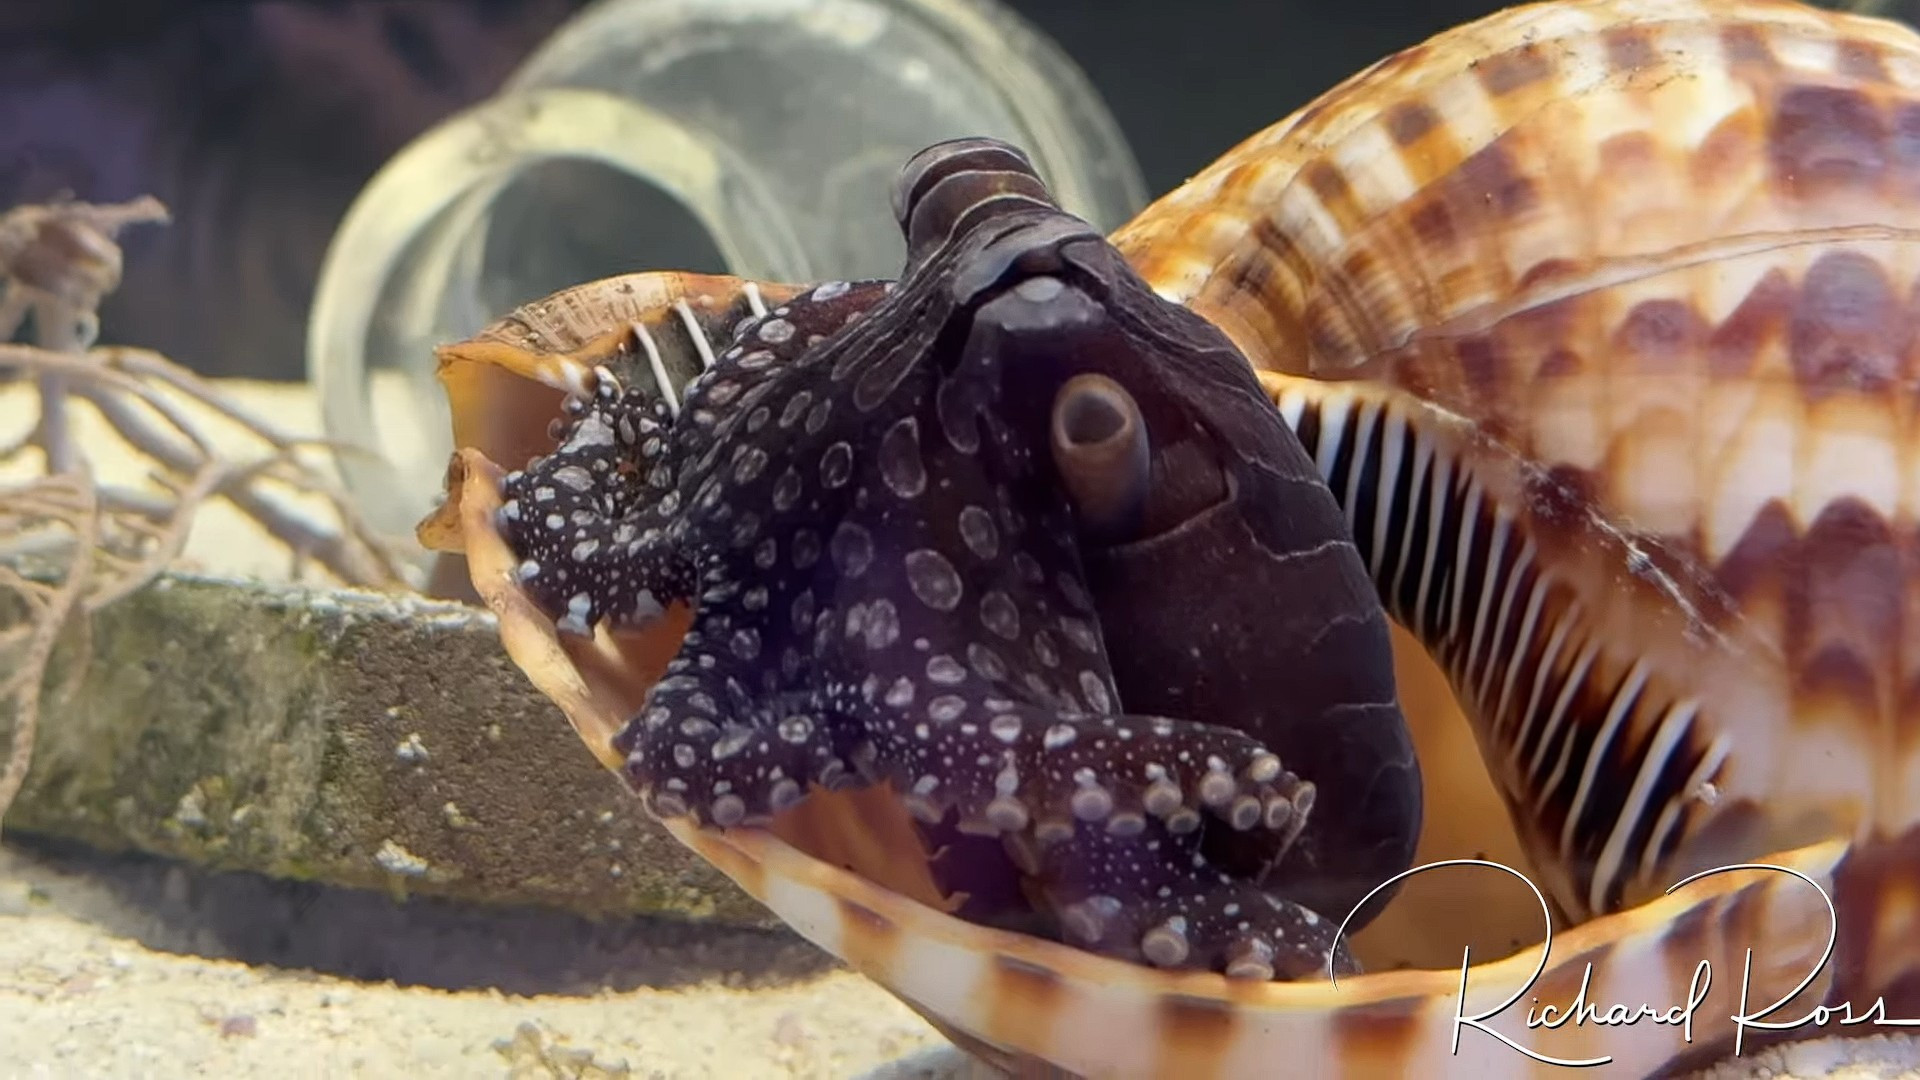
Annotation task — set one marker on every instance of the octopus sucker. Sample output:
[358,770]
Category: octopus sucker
[1085,573]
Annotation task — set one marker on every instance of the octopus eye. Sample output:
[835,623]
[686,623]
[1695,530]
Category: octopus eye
[1101,447]
[950,187]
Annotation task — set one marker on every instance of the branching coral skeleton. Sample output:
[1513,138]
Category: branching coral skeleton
[71,542]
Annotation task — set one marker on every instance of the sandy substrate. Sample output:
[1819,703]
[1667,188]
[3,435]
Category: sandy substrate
[98,978]
[105,971]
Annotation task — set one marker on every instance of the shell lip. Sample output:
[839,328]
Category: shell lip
[593,681]
[501,398]
[754,857]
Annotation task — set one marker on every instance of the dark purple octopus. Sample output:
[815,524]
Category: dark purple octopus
[938,532]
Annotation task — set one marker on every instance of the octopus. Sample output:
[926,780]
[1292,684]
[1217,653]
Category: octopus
[1028,544]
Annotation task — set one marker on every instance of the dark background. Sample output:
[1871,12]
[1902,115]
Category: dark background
[258,122]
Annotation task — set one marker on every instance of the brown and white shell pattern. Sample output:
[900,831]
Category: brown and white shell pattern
[1600,320]
[1629,290]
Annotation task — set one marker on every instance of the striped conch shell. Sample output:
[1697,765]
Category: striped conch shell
[1598,318]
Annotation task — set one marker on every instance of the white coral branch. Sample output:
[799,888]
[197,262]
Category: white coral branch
[71,544]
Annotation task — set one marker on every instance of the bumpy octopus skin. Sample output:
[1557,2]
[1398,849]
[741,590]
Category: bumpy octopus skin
[884,503]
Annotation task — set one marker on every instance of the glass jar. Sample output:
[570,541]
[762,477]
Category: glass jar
[752,137]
